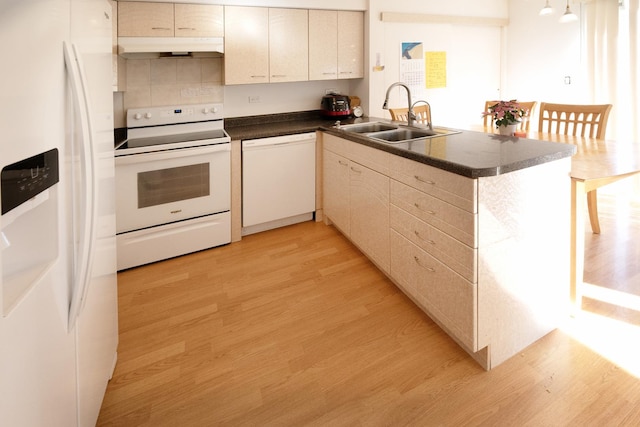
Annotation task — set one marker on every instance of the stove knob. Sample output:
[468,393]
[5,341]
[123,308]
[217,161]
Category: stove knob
[147,116]
[214,110]
[137,116]
[205,111]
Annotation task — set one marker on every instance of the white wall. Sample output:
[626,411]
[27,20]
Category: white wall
[473,57]
[541,52]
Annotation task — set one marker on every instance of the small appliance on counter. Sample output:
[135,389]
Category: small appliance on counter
[335,105]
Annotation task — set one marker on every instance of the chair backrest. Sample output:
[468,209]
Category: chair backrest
[567,119]
[528,107]
[401,114]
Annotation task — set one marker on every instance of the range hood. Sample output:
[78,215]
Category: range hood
[131,47]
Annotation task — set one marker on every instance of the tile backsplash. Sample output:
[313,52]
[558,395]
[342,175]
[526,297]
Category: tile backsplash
[173,80]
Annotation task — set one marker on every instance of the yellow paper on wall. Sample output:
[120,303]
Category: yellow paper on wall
[435,65]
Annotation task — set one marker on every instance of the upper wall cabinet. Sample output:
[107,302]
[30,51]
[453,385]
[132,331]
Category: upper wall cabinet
[142,19]
[350,45]
[246,45]
[265,45]
[288,45]
[336,45]
[199,20]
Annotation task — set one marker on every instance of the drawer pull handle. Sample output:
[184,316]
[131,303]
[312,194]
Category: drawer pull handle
[160,28]
[343,163]
[424,210]
[429,269]
[431,242]
[257,76]
[355,170]
[426,181]
[187,28]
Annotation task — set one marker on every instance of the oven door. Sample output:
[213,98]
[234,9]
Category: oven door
[167,186]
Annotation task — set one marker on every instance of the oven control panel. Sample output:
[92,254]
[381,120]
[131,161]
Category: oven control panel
[176,114]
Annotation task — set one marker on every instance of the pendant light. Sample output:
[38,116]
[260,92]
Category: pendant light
[546,10]
[568,15]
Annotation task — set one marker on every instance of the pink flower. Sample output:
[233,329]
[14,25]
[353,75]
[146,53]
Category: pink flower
[505,112]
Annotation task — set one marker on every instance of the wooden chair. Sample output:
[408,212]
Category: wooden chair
[401,114]
[529,108]
[583,120]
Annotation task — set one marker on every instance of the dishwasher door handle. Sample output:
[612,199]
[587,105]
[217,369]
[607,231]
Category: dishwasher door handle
[249,144]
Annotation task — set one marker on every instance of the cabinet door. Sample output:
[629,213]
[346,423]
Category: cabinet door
[350,45]
[323,45]
[336,190]
[369,199]
[138,19]
[198,20]
[288,45]
[246,40]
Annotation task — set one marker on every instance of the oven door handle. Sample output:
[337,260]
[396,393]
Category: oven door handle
[171,154]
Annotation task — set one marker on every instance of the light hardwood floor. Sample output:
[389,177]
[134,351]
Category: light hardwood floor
[295,327]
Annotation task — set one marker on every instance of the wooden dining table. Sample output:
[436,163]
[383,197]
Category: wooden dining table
[596,163]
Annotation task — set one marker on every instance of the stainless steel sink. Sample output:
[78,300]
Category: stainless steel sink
[401,135]
[393,134]
[368,127]
[410,134]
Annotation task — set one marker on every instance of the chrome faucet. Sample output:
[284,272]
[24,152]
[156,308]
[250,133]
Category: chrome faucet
[429,122]
[410,116]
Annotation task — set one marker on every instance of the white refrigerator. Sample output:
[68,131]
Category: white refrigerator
[58,294]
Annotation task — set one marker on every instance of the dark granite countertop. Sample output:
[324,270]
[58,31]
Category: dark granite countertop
[467,153]
[471,154]
[252,127]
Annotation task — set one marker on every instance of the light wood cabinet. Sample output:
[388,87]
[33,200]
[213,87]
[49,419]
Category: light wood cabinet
[336,190]
[288,45]
[139,19]
[350,45]
[198,20]
[142,19]
[336,45]
[246,40]
[266,45]
[323,45]
[369,213]
[356,196]
[433,246]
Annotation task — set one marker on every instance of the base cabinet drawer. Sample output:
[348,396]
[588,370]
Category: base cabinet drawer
[456,222]
[454,254]
[447,297]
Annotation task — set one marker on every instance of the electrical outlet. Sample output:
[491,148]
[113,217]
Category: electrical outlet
[254,99]
[329,91]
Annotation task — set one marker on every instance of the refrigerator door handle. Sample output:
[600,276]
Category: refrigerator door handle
[84,260]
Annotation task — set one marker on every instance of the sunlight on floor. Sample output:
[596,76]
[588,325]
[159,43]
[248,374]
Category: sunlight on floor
[613,339]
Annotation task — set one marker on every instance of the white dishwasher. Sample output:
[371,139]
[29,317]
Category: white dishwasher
[278,181]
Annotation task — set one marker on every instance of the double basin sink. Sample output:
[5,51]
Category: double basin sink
[392,134]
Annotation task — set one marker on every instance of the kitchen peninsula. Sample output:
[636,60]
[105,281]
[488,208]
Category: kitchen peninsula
[474,228]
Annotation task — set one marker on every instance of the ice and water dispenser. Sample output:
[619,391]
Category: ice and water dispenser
[29,234]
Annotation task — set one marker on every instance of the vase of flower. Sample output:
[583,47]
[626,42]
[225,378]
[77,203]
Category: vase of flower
[507,130]
[506,116]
